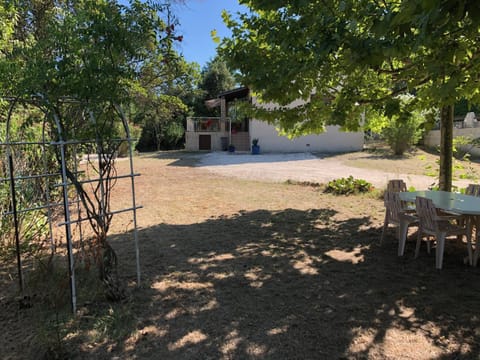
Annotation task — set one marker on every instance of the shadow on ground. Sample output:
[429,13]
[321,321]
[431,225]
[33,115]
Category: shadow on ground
[292,285]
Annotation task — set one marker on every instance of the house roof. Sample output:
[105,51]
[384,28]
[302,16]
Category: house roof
[212,103]
[228,95]
[235,93]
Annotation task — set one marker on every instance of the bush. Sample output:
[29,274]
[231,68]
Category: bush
[400,123]
[28,160]
[123,150]
[401,134]
[463,145]
[348,186]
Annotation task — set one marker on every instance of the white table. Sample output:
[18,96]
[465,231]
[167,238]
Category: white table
[452,202]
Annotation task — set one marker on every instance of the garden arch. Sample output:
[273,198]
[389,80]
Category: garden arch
[39,136]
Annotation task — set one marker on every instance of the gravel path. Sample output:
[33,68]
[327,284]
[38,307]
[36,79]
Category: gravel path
[299,167]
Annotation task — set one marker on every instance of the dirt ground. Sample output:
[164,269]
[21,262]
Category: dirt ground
[234,268]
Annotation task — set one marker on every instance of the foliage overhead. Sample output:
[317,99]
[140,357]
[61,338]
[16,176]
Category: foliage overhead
[351,56]
[85,49]
[99,53]
[96,52]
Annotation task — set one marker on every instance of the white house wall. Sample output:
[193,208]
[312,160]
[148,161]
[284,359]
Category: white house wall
[332,141]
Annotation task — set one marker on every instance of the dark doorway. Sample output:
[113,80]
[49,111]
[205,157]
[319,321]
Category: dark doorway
[204,142]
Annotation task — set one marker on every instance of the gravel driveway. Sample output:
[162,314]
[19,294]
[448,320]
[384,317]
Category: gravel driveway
[299,167]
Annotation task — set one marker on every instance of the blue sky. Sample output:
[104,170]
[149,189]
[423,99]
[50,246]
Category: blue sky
[197,19]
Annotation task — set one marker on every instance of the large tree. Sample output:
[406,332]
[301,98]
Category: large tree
[168,86]
[87,54]
[350,57]
[216,77]
[90,50]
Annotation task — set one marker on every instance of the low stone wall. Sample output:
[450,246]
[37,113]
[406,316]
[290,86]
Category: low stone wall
[473,151]
[432,139]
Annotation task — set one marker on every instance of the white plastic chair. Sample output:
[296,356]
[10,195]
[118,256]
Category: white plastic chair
[432,224]
[397,214]
[396,185]
[472,190]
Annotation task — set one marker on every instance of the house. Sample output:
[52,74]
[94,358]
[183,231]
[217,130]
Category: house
[466,127]
[463,126]
[215,134]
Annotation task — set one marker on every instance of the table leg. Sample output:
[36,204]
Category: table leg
[470,220]
[476,220]
[402,237]
[439,250]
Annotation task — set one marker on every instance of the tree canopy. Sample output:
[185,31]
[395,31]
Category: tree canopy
[85,49]
[215,78]
[97,51]
[350,57]
[78,59]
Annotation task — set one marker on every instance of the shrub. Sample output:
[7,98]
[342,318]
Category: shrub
[347,186]
[401,134]
[400,123]
[463,145]
[28,160]
[135,132]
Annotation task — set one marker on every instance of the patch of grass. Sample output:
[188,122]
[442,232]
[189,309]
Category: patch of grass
[56,328]
[430,171]
[112,322]
[417,162]
[348,186]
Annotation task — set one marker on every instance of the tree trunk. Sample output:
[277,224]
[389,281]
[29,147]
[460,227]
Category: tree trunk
[446,148]
[108,267]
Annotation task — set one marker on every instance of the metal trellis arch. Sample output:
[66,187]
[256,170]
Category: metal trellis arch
[54,139]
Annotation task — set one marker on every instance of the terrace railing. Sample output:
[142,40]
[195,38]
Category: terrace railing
[205,124]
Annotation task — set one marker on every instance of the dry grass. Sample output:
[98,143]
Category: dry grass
[236,269]
[415,162]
